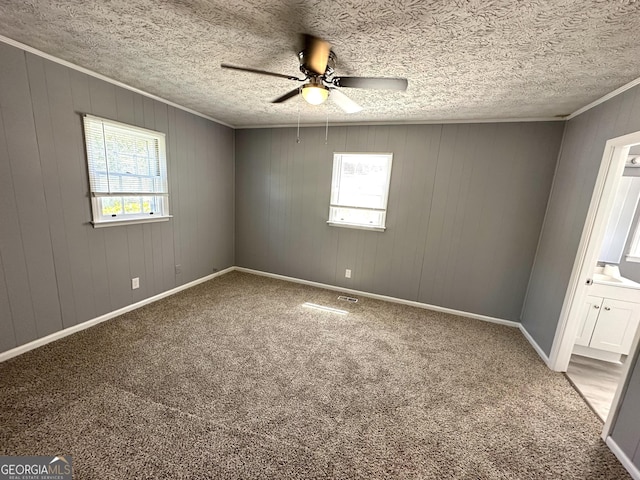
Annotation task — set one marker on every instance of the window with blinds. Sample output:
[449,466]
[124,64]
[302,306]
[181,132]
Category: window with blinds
[127,172]
[360,189]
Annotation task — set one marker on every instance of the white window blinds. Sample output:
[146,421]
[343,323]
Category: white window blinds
[124,160]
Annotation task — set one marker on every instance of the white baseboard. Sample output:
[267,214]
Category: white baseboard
[617,451]
[426,306]
[624,459]
[89,323]
[107,316]
[535,346]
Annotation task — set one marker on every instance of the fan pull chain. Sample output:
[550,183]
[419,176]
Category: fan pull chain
[298,134]
[326,131]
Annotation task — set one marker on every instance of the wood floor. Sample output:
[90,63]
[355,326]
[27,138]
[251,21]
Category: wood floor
[596,380]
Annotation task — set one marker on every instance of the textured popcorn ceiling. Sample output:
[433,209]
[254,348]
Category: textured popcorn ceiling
[465,60]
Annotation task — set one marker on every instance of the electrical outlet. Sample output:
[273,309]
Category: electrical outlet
[135,283]
[347,273]
[178,269]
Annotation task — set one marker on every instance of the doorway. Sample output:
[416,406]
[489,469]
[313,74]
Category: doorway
[580,292]
[596,380]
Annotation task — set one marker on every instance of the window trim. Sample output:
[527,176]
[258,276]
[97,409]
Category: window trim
[335,177]
[356,226]
[97,218]
[132,221]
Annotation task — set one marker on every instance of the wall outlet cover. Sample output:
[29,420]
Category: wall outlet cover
[135,283]
[347,273]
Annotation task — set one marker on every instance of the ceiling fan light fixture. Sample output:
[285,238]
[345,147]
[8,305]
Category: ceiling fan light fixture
[315,94]
[317,63]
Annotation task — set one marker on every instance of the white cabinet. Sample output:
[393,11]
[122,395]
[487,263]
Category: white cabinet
[608,324]
[616,326]
[589,316]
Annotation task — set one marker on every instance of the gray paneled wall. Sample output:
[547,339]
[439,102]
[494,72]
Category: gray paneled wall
[57,270]
[626,431]
[574,181]
[465,210]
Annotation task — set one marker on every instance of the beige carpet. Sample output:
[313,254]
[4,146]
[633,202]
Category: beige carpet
[235,378]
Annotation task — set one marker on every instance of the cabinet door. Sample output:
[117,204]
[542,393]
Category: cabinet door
[590,311]
[616,326]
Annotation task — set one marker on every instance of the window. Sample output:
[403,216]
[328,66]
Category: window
[634,195]
[620,221]
[360,189]
[634,250]
[127,172]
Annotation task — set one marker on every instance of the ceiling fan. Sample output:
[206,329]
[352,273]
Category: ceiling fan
[317,63]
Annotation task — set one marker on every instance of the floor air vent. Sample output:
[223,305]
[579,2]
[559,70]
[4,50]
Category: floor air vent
[348,299]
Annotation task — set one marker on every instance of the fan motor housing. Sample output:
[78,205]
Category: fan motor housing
[331,63]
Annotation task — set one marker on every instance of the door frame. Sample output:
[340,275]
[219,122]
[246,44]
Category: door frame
[611,169]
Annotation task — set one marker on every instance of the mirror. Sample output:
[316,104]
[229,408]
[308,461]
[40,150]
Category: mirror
[619,225]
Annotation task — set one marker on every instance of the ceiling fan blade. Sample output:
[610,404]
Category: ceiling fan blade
[379,83]
[316,53]
[287,96]
[344,102]
[260,72]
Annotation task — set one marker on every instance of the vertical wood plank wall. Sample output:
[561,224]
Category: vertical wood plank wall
[626,431]
[575,179]
[465,210]
[57,270]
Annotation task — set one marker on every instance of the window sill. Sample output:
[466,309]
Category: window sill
[357,227]
[131,221]
[631,258]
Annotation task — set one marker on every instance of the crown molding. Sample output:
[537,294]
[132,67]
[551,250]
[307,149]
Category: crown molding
[407,122]
[86,71]
[603,99]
